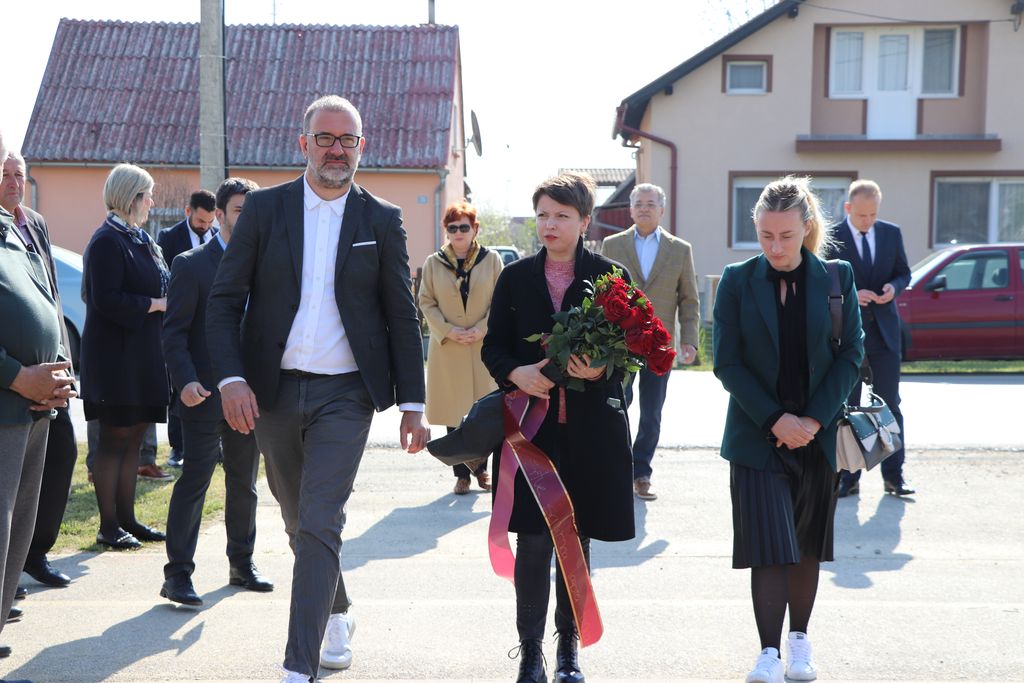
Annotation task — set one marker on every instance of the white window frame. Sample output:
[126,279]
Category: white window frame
[994,183]
[730,90]
[759,183]
[915,65]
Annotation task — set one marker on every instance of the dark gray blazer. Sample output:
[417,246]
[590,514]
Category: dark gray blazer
[36,225]
[184,335]
[888,266]
[258,285]
[176,240]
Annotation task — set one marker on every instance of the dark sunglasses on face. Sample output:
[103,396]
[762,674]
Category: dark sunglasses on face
[459,227]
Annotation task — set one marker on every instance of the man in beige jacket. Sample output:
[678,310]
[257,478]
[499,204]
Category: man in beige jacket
[662,266]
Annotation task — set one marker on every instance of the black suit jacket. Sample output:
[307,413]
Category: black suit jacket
[175,240]
[184,334]
[258,285]
[889,266]
[36,225]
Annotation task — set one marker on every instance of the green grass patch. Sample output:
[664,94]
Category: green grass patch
[963,367]
[82,519]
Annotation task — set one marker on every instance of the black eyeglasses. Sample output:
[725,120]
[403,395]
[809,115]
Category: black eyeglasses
[327,140]
[459,227]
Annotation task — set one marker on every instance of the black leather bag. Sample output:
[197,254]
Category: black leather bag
[478,435]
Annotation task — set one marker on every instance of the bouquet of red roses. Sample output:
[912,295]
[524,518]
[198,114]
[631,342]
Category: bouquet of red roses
[615,326]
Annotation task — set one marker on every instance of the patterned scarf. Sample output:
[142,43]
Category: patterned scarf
[140,236]
[475,254]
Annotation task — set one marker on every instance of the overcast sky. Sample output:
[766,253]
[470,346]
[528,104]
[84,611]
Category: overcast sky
[531,123]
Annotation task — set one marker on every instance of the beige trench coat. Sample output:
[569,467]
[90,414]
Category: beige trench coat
[456,377]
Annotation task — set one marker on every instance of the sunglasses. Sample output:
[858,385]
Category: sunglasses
[459,227]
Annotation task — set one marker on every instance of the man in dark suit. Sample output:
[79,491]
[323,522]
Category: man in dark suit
[202,420]
[61,447]
[875,250]
[196,230]
[34,380]
[315,327]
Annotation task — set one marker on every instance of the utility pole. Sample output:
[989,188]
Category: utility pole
[212,127]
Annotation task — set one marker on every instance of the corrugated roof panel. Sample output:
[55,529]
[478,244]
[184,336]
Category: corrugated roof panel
[116,91]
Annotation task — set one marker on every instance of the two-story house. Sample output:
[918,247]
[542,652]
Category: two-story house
[922,96]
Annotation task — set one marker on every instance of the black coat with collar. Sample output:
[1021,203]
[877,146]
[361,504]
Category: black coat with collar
[889,266]
[258,286]
[176,240]
[596,461]
[184,334]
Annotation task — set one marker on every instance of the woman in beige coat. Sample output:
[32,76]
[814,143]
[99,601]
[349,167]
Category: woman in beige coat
[455,297]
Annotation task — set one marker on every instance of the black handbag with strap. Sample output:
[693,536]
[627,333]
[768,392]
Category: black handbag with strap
[869,434]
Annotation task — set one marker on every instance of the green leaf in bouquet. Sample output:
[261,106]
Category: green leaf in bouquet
[563,358]
[534,337]
[562,317]
[558,328]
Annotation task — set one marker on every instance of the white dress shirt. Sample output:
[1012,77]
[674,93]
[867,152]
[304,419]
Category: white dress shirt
[859,242]
[647,250]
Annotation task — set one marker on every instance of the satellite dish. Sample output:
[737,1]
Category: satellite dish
[475,140]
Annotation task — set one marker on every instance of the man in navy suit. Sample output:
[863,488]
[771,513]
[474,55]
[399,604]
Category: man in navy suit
[202,421]
[196,230]
[880,270]
[61,447]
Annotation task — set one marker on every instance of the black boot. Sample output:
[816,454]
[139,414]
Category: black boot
[531,662]
[567,660]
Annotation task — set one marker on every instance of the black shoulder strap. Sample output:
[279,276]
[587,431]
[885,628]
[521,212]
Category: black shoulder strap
[835,305]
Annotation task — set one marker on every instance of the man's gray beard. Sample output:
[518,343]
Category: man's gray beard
[332,183]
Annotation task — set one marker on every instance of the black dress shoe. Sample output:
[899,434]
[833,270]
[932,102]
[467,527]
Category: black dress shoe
[531,663]
[145,533]
[123,541]
[5,651]
[179,588]
[567,669]
[42,571]
[898,487]
[21,593]
[847,488]
[250,578]
[15,614]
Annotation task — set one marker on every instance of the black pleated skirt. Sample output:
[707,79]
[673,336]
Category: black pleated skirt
[123,416]
[785,511]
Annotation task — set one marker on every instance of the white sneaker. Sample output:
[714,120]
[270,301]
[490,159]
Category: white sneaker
[336,650]
[800,666]
[292,677]
[768,668]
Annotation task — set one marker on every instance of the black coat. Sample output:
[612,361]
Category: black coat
[185,348]
[259,282]
[122,356]
[595,461]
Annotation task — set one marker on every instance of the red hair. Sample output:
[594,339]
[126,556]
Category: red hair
[459,209]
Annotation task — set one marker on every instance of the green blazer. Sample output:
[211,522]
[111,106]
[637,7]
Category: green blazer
[30,329]
[746,350]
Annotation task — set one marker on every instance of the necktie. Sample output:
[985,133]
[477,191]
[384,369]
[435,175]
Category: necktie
[202,238]
[865,250]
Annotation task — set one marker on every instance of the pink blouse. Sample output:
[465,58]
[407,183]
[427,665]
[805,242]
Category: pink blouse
[559,275]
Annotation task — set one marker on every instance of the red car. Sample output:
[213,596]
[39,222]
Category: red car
[965,302]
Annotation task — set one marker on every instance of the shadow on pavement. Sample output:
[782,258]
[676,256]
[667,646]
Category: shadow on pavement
[411,531]
[632,552]
[103,656]
[863,549]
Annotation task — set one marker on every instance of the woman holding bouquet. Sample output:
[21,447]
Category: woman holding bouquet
[455,297]
[584,433]
[773,353]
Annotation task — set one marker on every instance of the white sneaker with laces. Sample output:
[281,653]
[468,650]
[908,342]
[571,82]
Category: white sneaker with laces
[768,668]
[800,666]
[336,650]
[291,676]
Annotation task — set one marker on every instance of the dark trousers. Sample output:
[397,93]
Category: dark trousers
[313,439]
[61,454]
[175,430]
[652,390]
[533,586]
[885,371]
[203,439]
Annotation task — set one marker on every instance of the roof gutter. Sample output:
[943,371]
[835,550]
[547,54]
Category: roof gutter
[442,174]
[621,127]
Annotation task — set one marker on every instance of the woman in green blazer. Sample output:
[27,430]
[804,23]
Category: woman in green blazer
[773,354]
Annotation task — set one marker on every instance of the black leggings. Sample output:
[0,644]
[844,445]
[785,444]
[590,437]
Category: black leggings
[533,586]
[114,474]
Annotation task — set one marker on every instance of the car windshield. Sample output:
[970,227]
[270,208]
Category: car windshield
[922,267]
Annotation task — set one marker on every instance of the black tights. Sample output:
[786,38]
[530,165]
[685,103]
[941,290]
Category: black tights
[114,475]
[778,586]
[533,586]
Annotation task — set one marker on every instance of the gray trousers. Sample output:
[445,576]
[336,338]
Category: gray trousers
[312,441]
[22,453]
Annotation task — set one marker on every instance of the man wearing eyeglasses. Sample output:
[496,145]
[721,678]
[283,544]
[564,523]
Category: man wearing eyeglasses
[313,316]
[662,265]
